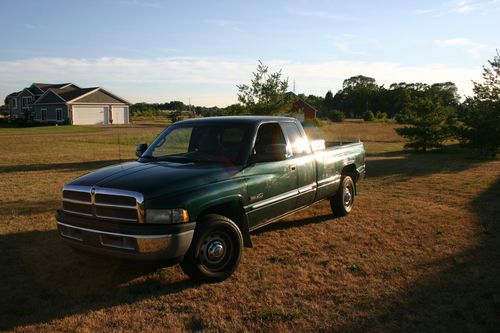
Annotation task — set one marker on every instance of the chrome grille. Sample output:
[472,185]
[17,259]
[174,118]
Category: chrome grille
[105,203]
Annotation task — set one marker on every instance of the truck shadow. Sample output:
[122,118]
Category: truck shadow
[463,297]
[42,279]
[284,224]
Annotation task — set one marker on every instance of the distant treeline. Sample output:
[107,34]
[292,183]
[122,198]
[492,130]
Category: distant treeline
[163,109]
[359,95]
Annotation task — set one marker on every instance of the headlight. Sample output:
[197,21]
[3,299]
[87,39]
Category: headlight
[166,216]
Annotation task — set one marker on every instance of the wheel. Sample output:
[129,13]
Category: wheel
[343,201]
[215,250]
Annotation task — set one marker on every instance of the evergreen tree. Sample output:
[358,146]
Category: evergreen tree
[430,124]
[481,114]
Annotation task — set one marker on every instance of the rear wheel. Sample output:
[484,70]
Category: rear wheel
[343,201]
[215,251]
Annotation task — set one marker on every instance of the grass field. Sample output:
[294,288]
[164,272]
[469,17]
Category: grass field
[420,251]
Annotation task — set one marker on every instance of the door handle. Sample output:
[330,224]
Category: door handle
[292,167]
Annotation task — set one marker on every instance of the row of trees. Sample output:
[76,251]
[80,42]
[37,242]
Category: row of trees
[476,122]
[432,113]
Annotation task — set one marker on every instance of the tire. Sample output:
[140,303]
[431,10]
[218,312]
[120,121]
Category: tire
[215,251]
[343,201]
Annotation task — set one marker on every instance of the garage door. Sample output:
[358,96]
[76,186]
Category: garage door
[120,114]
[84,115]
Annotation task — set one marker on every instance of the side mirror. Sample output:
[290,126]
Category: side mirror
[141,148]
[271,153]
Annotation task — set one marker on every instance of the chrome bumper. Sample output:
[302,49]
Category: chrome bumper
[126,245]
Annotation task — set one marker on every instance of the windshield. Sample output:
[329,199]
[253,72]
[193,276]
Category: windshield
[218,143]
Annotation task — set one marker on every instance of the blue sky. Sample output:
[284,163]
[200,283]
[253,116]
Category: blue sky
[158,51]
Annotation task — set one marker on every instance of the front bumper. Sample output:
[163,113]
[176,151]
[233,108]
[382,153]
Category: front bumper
[125,240]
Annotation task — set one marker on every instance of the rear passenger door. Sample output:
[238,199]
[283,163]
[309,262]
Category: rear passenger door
[271,186]
[302,159]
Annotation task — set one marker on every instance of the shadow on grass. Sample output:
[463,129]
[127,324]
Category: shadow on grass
[26,207]
[76,166]
[283,225]
[42,279]
[463,297]
[416,164]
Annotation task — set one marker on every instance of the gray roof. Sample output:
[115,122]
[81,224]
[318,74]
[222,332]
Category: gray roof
[13,94]
[70,94]
[45,86]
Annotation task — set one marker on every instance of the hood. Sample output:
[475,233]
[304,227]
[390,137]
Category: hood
[156,178]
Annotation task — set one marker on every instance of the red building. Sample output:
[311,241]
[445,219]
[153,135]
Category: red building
[303,111]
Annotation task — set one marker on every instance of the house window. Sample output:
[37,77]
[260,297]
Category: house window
[58,114]
[44,114]
[14,103]
[26,101]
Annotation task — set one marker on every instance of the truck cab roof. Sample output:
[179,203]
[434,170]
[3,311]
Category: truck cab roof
[240,119]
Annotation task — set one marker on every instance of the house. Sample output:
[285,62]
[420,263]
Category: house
[56,103]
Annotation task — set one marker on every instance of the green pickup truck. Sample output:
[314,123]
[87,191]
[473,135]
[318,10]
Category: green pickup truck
[203,185]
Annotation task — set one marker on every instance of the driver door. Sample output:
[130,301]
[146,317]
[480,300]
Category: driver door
[271,186]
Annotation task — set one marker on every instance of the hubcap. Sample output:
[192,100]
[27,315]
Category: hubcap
[215,250]
[347,196]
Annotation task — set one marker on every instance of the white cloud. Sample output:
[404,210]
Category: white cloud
[212,81]
[472,48]
[221,23]
[31,26]
[462,7]
[323,14]
[137,3]
[465,6]
[352,44]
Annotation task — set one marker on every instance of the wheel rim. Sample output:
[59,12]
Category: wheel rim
[348,195]
[215,252]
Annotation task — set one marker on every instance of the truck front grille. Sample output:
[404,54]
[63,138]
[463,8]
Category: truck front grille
[104,203]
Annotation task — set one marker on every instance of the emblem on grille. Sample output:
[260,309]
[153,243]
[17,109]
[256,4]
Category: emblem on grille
[92,191]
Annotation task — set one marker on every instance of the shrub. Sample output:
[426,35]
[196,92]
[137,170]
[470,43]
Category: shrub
[368,116]
[174,116]
[381,116]
[336,116]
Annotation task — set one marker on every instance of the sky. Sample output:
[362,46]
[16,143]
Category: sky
[198,51]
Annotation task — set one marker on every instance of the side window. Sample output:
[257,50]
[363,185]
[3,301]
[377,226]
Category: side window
[268,134]
[299,145]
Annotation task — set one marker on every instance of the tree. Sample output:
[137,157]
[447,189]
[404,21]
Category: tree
[357,95]
[266,93]
[481,114]
[328,102]
[430,124]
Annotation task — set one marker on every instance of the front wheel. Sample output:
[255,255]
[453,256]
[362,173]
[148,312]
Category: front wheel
[343,201]
[215,250]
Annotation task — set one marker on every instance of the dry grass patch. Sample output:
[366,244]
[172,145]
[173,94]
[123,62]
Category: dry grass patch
[418,253]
